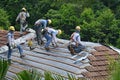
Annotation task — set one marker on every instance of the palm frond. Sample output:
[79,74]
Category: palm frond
[3,68]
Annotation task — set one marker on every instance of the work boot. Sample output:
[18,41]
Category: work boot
[21,56]
[47,48]
[21,35]
[31,48]
[42,42]
[72,51]
[9,61]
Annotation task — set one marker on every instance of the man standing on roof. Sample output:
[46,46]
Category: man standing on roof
[75,45]
[50,36]
[38,26]
[21,18]
[11,44]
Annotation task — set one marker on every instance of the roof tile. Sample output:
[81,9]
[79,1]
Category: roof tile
[96,68]
[92,58]
[99,63]
[101,48]
[91,74]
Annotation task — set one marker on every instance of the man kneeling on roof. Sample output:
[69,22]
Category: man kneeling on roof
[11,44]
[50,36]
[75,45]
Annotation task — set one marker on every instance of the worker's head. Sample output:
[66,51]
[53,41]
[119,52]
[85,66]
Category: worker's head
[59,32]
[49,21]
[12,28]
[23,9]
[77,28]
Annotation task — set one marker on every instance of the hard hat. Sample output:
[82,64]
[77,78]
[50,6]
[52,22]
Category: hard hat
[24,9]
[77,28]
[49,21]
[59,31]
[12,28]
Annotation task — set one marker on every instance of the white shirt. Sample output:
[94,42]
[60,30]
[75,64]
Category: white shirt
[10,37]
[76,38]
[53,32]
[22,16]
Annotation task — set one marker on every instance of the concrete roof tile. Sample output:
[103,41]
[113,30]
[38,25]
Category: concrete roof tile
[101,48]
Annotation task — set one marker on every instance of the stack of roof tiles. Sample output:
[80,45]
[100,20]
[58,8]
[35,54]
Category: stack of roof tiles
[3,36]
[99,63]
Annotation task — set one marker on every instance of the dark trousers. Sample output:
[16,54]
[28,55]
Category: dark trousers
[38,34]
[76,49]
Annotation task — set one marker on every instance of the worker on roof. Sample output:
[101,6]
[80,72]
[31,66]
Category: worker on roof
[38,26]
[50,36]
[11,43]
[22,19]
[75,45]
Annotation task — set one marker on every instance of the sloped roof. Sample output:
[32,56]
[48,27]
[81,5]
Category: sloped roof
[90,64]
[3,35]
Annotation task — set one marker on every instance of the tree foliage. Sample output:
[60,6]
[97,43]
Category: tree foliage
[4,21]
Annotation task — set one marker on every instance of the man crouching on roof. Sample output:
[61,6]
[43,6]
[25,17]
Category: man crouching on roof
[50,36]
[75,45]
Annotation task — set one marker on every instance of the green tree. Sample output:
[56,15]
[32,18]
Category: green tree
[3,68]
[66,18]
[109,26]
[35,75]
[4,21]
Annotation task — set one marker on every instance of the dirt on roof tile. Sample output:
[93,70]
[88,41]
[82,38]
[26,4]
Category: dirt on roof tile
[92,58]
[99,78]
[96,68]
[101,48]
[99,63]
[91,74]
[104,58]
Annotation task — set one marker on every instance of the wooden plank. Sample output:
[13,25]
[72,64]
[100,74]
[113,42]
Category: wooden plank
[14,70]
[51,59]
[37,66]
[52,64]
[57,50]
[17,66]
[10,75]
[51,54]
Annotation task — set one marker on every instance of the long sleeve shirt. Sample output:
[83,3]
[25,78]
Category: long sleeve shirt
[42,22]
[22,16]
[10,38]
[75,37]
[53,32]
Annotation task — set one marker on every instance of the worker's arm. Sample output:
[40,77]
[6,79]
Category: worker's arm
[18,17]
[54,39]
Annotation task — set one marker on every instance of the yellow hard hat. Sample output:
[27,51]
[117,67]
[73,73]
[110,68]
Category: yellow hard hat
[77,28]
[49,21]
[12,28]
[24,9]
[59,32]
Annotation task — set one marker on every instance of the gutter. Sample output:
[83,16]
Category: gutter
[116,49]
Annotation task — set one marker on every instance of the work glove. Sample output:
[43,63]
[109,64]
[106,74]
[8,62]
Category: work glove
[13,45]
[30,43]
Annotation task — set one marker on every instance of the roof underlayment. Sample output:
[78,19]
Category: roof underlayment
[90,64]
